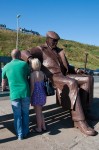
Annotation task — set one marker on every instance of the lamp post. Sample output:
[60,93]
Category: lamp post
[86,56]
[18,16]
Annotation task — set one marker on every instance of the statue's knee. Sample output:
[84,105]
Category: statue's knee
[74,83]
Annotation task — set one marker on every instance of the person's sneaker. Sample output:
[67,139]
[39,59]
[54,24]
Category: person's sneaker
[20,138]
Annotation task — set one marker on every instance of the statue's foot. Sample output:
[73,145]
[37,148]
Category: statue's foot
[84,128]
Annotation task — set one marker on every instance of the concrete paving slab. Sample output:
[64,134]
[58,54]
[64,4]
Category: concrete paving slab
[61,134]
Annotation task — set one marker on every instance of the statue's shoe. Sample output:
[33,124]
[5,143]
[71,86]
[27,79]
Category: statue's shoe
[84,128]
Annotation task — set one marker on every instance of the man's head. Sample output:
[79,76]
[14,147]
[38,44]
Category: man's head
[52,39]
[16,54]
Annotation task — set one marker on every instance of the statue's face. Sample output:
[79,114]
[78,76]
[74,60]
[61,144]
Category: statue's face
[52,42]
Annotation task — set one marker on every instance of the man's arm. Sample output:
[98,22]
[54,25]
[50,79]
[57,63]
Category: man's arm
[4,80]
[3,84]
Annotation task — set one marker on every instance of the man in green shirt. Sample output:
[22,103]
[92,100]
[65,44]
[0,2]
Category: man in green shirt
[17,72]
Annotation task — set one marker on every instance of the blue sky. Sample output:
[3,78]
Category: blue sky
[76,20]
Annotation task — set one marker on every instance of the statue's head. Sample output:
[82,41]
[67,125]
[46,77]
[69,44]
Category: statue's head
[52,39]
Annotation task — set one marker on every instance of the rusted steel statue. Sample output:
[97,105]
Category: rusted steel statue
[73,90]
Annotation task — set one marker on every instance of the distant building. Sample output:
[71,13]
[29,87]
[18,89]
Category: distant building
[23,30]
[2,26]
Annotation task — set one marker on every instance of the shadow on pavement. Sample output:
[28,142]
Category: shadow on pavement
[55,117]
[94,111]
[4,94]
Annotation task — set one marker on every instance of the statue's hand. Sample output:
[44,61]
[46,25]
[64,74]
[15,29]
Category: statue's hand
[29,59]
[80,71]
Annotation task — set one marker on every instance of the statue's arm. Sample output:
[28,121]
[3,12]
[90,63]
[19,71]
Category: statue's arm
[34,52]
[69,68]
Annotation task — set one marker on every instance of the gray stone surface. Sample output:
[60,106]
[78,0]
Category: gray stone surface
[61,134]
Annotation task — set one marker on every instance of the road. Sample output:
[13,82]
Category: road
[96,78]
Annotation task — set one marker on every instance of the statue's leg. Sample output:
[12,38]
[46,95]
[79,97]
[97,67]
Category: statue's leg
[58,99]
[70,96]
[79,119]
[86,93]
[86,83]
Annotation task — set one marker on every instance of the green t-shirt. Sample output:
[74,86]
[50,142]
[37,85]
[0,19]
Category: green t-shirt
[17,73]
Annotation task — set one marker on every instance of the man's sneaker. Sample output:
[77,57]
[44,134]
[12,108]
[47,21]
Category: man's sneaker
[20,138]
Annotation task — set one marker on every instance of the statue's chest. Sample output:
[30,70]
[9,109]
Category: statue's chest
[50,57]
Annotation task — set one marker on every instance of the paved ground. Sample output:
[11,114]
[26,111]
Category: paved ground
[60,135]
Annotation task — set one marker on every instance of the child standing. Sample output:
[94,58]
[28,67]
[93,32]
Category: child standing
[38,96]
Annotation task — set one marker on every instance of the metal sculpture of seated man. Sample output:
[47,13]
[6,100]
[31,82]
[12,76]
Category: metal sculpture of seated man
[72,87]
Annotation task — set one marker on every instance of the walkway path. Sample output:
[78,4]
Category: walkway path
[60,136]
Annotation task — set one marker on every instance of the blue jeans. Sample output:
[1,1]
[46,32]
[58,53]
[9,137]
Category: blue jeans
[20,109]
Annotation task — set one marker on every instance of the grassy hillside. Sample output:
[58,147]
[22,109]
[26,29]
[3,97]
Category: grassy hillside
[75,51]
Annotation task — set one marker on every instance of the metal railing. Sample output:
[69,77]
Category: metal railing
[3,61]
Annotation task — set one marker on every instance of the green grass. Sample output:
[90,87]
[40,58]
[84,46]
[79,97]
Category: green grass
[75,51]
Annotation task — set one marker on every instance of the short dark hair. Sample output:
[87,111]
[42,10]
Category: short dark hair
[15,53]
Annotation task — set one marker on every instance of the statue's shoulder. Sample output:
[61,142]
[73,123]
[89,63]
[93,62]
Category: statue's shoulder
[42,47]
